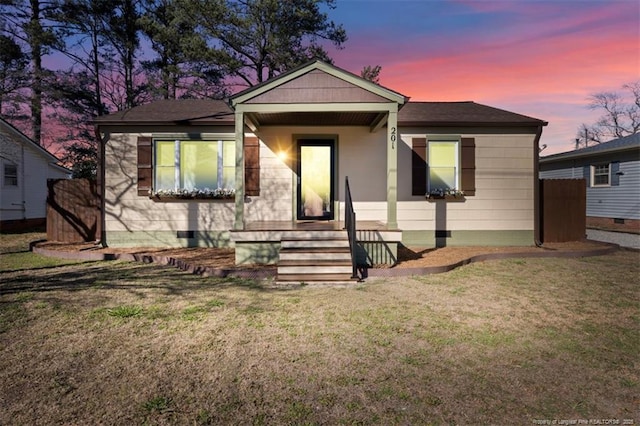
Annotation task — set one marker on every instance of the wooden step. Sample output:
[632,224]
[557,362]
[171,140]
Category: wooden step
[333,255]
[316,257]
[315,278]
[315,262]
[314,234]
[314,269]
[315,243]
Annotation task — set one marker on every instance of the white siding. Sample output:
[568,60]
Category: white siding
[360,154]
[504,186]
[503,200]
[128,211]
[27,200]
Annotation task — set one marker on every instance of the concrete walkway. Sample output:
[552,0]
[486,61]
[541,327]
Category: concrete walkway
[621,238]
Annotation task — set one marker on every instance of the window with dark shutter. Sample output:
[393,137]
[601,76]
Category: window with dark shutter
[468,166]
[252,166]
[419,166]
[615,173]
[586,174]
[145,167]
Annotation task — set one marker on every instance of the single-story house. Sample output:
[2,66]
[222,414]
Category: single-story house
[273,160]
[25,168]
[612,172]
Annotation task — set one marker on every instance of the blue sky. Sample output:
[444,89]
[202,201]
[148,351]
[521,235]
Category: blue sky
[538,58]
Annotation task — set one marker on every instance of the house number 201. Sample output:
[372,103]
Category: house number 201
[393,138]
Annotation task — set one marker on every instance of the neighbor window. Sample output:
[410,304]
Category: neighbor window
[600,175]
[194,164]
[10,175]
[443,165]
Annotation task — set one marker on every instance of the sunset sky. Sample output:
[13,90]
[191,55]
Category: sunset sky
[538,58]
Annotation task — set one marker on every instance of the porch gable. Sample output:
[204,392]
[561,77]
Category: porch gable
[317,82]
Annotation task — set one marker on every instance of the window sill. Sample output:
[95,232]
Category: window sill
[184,198]
[449,198]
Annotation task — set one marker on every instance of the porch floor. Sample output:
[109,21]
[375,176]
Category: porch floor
[314,225]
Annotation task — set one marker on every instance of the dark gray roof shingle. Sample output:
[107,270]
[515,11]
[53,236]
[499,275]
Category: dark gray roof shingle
[461,113]
[208,111]
[621,144]
[173,111]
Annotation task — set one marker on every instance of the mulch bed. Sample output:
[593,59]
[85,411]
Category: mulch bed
[221,261]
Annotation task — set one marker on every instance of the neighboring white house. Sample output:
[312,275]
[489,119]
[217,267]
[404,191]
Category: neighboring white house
[245,173]
[612,172]
[25,168]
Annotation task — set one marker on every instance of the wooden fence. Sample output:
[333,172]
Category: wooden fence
[563,207]
[73,210]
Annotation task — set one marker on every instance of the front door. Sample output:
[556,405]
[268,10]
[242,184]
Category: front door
[315,179]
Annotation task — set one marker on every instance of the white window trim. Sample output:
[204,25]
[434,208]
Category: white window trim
[4,175]
[593,175]
[450,139]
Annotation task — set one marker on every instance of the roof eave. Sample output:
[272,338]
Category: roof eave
[574,155]
[31,142]
[102,123]
[415,123]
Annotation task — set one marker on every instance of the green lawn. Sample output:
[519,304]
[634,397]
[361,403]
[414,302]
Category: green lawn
[501,342]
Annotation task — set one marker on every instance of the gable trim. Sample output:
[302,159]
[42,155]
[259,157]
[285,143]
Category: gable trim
[53,160]
[322,107]
[252,92]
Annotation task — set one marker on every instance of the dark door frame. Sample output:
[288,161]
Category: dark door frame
[316,141]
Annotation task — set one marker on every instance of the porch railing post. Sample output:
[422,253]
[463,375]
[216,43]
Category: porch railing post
[350,225]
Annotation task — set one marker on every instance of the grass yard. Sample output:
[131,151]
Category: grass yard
[519,341]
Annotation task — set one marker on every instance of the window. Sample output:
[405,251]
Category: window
[443,164]
[194,164]
[443,160]
[10,175]
[600,175]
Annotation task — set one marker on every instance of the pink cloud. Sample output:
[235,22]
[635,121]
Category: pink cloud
[543,62]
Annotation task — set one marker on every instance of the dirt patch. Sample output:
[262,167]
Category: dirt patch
[417,258]
[408,257]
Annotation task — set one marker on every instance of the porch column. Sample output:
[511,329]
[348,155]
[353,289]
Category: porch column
[392,167]
[238,223]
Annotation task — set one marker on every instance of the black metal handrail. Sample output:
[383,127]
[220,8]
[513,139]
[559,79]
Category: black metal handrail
[350,225]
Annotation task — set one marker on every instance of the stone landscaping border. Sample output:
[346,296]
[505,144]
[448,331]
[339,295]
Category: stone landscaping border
[205,271]
[270,272]
[607,248]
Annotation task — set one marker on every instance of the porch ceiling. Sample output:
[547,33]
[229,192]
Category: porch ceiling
[329,118]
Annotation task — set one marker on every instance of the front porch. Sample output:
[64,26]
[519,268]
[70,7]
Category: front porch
[314,123]
[260,242]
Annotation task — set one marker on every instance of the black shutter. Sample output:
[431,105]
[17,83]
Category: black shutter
[419,166]
[614,169]
[145,165]
[468,166]
[586,174]
[252,166]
